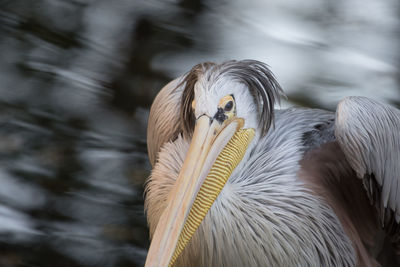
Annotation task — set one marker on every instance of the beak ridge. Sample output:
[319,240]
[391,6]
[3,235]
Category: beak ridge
[210,137]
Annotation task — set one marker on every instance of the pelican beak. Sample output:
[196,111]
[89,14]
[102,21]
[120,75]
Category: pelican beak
[215,150]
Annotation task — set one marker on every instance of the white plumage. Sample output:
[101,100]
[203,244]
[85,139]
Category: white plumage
[273,210]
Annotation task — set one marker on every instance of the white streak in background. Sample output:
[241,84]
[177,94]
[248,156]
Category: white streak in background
[82,243]
[15,226]
[106,169]
[17,193]
[73,78]
[108,27]
[323,50]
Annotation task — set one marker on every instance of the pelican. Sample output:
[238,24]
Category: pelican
[236,182]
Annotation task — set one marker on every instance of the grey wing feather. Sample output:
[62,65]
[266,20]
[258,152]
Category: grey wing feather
[163,124]
[369,134]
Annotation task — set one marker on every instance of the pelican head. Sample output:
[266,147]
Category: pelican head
[222,108]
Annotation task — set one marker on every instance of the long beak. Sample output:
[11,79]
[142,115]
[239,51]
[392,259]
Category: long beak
[209,138]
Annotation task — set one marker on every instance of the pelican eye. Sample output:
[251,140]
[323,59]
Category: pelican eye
[228,106]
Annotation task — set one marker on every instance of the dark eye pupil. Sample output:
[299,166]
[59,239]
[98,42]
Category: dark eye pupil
[228,106]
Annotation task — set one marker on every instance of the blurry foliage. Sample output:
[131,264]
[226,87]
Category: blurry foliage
[72,136]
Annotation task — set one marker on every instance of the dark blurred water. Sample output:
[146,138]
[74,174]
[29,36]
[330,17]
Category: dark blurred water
[77,78]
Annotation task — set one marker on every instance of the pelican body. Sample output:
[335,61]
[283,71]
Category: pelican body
[236,182]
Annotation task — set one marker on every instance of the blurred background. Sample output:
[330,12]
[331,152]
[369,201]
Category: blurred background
[77,78]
